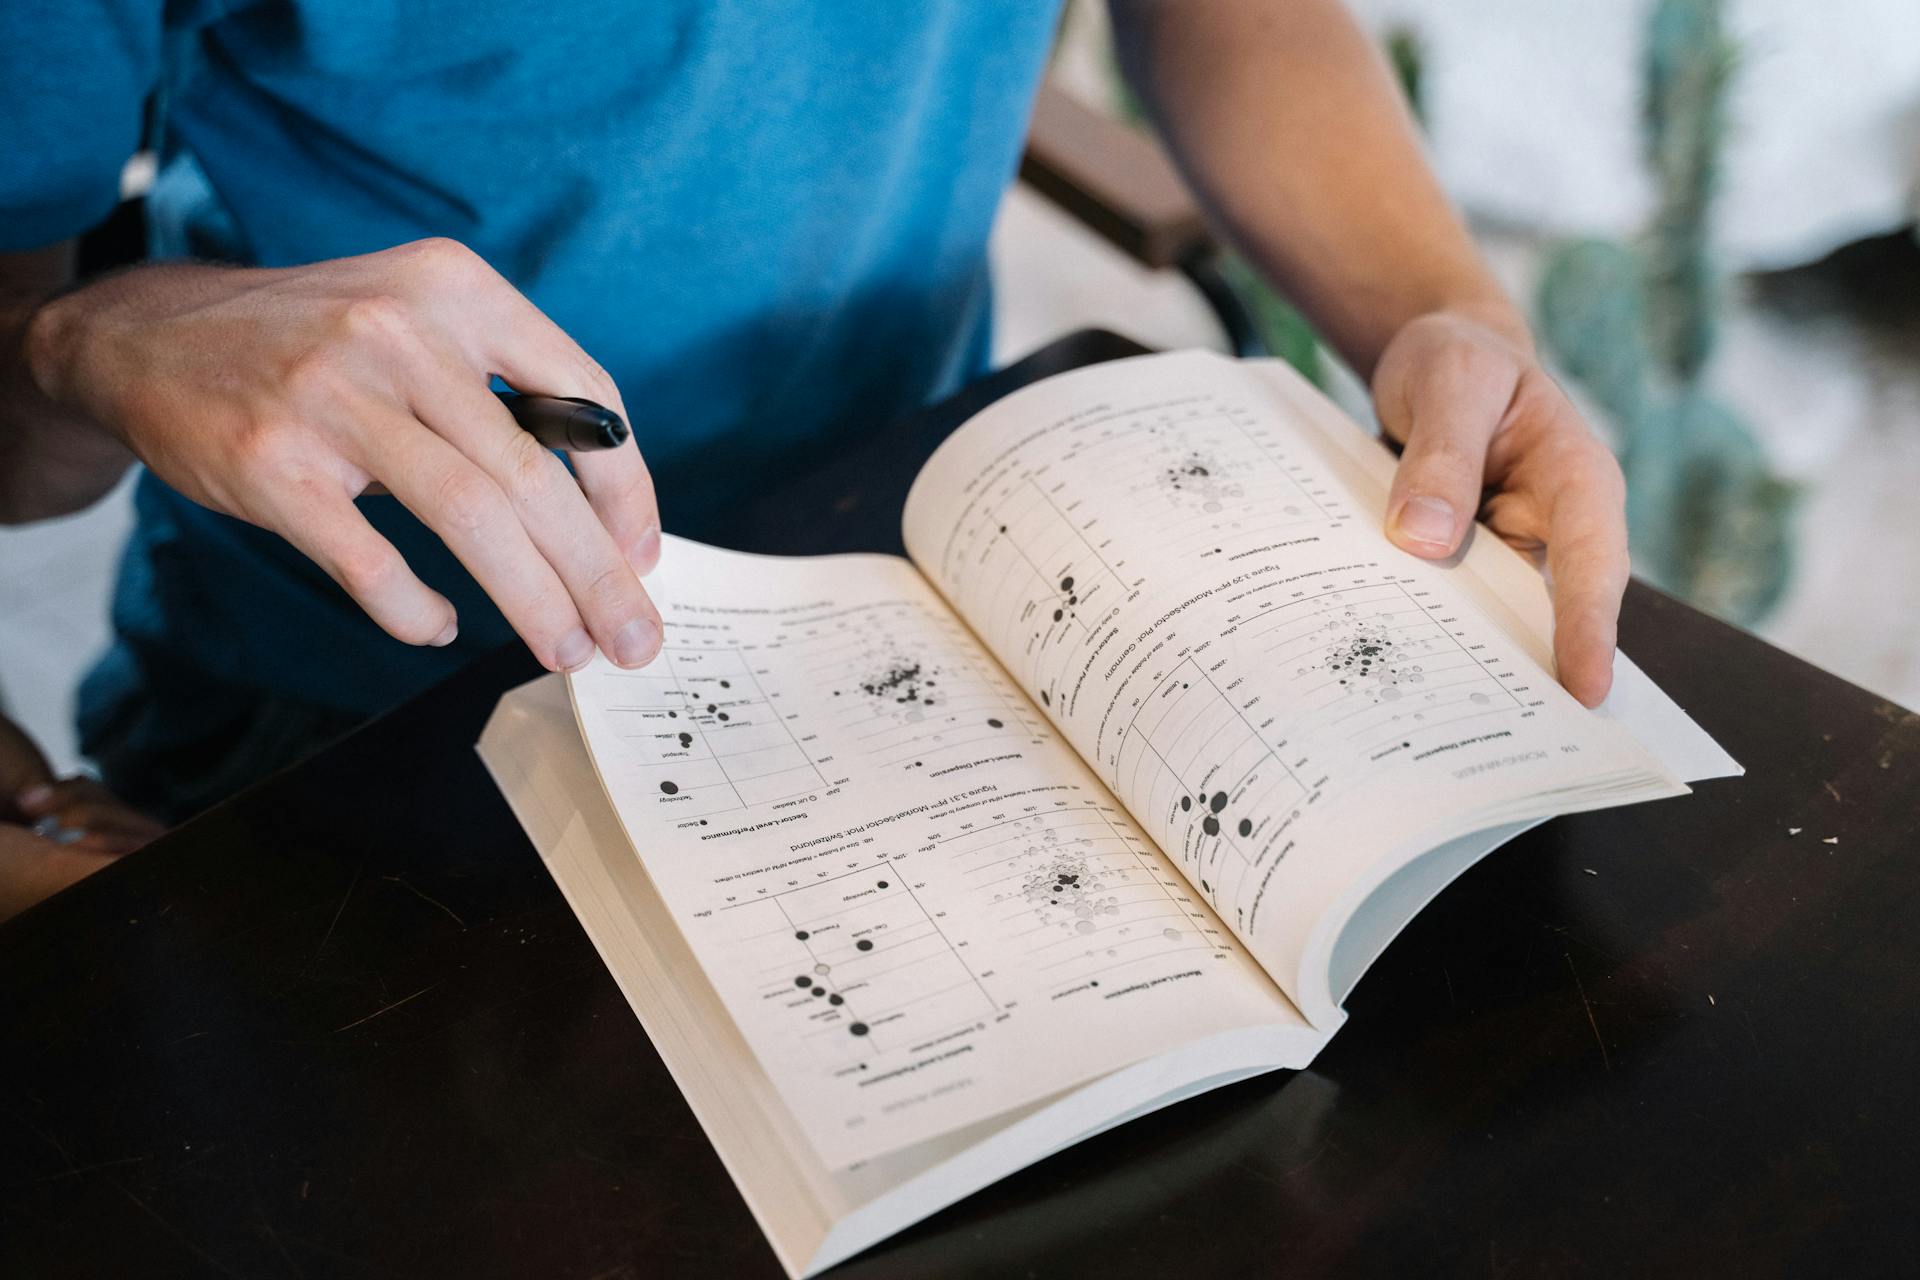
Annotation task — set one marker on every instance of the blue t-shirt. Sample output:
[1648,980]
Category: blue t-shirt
[767,220]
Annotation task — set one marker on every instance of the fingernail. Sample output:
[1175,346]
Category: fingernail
[37,796]
[446,636]
[1428,521]
[51,828]
[636,644]
[574,651]
[646,552]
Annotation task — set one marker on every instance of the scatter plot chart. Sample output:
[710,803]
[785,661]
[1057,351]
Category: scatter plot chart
[715,726]
[1376,665]
[704,736]
[1185,475]
[904,689]
[1035,580]
[1054,538]
[902,682]
[1078,893]
[1362,648]
[1199,477]
[1204,479]
[1215,477]
[1218,794]
[1075,886]
[857,966]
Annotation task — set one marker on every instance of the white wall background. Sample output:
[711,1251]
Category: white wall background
[1533,111]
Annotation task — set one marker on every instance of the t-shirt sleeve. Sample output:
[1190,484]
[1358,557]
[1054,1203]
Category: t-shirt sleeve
[74,77]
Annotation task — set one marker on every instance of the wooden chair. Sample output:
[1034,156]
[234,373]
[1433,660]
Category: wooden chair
[1120,185]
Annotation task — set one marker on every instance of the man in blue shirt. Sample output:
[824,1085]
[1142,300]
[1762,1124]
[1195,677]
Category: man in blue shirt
[748,225]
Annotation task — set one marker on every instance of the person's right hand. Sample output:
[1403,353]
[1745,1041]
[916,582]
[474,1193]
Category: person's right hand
[279,395]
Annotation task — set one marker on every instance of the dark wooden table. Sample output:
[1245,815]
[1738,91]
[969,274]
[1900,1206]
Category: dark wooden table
[345,1026]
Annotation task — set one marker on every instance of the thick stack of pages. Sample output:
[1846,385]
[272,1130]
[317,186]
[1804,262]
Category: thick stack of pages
[917,871]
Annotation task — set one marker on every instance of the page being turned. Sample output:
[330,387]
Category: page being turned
[919,906]
[1288,704]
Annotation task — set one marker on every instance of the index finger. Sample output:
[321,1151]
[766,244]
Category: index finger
[555,516]
[1587,558]
[537,357]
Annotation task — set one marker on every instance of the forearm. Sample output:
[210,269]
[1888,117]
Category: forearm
[54,459]
[1286,121]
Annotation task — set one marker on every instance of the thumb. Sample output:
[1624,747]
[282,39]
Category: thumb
[1447,417]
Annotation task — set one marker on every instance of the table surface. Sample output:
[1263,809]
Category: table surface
[345,1025]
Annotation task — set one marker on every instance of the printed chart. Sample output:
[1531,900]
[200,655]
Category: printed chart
[905,692]
[706,736]
[1041,583]
[858,965]
[1222,749]
[720,724]
[1211,474]
[1374,663]
[1051,545]
[1076,895]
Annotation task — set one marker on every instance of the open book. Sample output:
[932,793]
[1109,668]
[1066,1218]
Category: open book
[918,871]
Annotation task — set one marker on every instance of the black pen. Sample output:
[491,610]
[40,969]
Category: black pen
[562,422]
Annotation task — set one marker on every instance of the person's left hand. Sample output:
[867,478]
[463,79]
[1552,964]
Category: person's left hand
[1487,432]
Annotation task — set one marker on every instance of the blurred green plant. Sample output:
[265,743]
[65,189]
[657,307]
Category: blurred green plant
[1636,326]
[1408,58]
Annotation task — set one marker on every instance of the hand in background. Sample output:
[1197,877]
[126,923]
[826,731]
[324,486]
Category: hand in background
[1487,432]
[54,832]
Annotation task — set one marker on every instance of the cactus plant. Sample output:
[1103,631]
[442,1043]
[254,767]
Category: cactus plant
[1636,326]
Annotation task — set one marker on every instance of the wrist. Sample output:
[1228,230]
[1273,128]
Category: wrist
[1494,311]
[56,454]
[49,345]
[76,359]
[89,349]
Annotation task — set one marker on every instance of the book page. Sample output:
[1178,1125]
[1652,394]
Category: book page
[918,906]
[1161,553]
